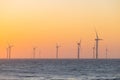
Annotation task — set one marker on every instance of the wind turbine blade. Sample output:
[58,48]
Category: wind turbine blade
[96,33]
[80,41]
[56,44]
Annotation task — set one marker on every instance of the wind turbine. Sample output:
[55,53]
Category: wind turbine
[106,53]
[34,52]
[57,50]
[9,50]
[97,44]
[79,46]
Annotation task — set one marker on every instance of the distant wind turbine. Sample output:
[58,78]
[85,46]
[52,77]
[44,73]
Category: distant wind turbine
[9,51]
[106,53]
[97,41]
[34,52]
[79,46]
[57,50]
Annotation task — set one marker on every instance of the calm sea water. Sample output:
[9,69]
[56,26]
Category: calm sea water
[60,69]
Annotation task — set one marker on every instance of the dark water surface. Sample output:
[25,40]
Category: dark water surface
[64,69]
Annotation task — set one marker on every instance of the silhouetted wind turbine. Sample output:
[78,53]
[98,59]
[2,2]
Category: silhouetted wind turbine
[79,46]
[34,52]
[9,50]
[57,50]
[97,41]
[106,53]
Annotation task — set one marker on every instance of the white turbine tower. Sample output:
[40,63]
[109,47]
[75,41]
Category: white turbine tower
[79,46]
[97,44]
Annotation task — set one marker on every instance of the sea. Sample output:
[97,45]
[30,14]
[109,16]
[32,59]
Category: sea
[60,69]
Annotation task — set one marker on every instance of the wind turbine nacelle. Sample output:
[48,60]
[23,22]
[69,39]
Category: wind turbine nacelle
[78,43]
[98,39]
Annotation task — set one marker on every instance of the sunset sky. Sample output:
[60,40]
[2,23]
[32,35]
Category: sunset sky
[43,23]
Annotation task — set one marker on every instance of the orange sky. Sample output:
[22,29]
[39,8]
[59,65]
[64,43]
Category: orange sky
[43,23]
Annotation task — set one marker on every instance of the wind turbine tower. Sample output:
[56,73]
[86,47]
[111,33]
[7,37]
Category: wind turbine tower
[106,53]
[97,44]
[9,51]
[79,46]
[34,52]
[57,50]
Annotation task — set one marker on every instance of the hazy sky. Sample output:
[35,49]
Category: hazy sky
[43,23]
